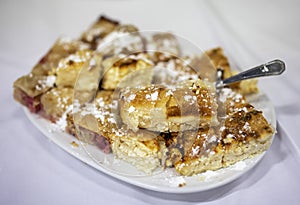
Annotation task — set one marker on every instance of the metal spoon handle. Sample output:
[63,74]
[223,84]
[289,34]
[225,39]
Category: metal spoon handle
[275,67]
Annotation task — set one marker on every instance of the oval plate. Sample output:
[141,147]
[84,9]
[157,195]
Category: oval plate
[168,180]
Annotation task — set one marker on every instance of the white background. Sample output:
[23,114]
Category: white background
[35,171]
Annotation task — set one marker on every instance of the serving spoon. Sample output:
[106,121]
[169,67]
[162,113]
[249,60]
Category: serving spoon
[275,67]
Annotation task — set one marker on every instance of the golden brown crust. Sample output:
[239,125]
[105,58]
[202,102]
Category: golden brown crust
[56,101]
[127,71]
[219,60]
[142,148]
[34,85]
[125,39]
[163,109]
[69,68]
[41,78]
[62,48]
[98,30]
[243,134]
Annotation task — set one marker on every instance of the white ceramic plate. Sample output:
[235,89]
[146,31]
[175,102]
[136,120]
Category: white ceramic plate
[163,180]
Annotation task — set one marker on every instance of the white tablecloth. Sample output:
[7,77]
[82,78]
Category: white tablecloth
[36,171]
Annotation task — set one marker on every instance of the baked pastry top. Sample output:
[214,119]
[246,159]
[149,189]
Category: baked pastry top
[190,105]
[140,99]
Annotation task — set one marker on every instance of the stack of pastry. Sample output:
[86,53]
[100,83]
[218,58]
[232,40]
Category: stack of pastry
[141,100]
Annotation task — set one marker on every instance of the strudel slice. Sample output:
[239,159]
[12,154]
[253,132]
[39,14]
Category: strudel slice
[98,30]
[143,149]
[97,123]
[29,88]
[69,68]
[124,39]
[159,108]
[200,150]
[127,71]
[242,133]
[55,102]
[81,71]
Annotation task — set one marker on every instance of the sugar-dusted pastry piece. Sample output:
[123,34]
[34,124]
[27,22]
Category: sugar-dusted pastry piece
[162,109]
[201,150]
[173,72]
[124,39]
[82,67]
[55,102]
[29,88]
[127,71]
[97,123]
[69,68]
[98,30]
[243,132]
[142,149]
[138,98]
[163,47]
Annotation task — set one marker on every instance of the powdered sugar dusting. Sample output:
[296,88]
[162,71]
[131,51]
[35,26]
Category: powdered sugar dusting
[209,175]
[195,150]
[131,97]
[131,109]
[241,165]
[171,73]
[47,82]
[176,181]
[154,96]
[61,123]
[116,42]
